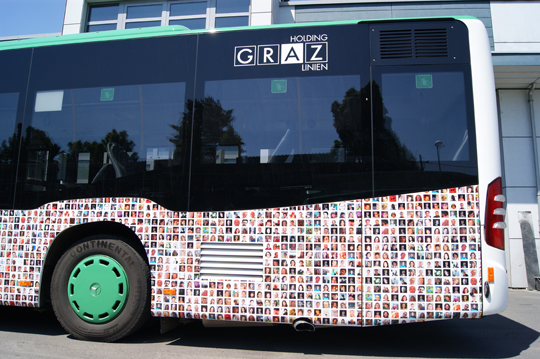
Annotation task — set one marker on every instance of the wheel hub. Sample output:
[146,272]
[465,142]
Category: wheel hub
[95,289]
[98,289]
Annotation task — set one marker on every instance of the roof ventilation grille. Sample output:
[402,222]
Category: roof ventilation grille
[396,44]
[410,44]
[431,43]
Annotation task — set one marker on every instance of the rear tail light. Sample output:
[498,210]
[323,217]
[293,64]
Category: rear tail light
[495,215]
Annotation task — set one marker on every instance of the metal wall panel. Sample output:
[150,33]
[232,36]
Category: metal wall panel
[520,188]
[478,9]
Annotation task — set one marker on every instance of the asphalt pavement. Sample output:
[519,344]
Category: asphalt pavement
[25,333]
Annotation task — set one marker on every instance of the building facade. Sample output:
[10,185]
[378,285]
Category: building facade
[515,43]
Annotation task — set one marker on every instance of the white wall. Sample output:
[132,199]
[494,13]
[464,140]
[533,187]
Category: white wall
[515,26]
[263,12]
[519,173]
[74,17]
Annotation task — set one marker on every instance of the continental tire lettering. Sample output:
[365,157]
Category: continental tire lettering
[76,250]
[105,245]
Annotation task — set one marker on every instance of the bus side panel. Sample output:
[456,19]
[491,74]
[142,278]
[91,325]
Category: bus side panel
[378,261]
[489,161]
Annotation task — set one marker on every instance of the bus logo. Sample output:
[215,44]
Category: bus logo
[244,56]
[268,55]
[312,55]
[292,54]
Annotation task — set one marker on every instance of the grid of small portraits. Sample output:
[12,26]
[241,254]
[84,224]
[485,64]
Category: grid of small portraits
[422,257]
[376,261]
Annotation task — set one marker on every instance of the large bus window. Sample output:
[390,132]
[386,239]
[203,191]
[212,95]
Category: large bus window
[9,143]
[91,141]
[423,130]
[280,141]
[14,67]
[100,122]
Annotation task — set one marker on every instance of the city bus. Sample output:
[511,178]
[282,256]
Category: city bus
[323,174]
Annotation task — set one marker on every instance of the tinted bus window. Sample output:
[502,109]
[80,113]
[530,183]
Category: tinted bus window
[103,124]
[280,130]
[423,129]
[14,66]
[9,142]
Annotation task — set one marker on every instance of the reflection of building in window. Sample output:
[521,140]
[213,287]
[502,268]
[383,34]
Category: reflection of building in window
[226,154]
[37,167]
[83,167]
[328,155]
[157,154]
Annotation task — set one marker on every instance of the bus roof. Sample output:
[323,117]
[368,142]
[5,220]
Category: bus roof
[159,31]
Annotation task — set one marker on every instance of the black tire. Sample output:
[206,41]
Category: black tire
[135,304]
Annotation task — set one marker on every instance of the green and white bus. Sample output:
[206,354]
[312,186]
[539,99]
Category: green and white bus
[318,174]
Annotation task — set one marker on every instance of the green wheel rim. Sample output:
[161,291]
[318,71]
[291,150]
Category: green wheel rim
[98,289]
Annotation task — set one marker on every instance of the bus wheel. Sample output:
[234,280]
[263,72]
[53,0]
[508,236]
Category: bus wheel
[100,289]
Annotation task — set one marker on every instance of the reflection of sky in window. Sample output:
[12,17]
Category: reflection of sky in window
[8,114]
[421,116]
[103,13]
[262,117]
[230,6]
[145,112]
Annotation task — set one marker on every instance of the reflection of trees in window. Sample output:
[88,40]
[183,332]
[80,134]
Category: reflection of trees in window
[352,125]
[9,150]
[213,128]
[40,151]
[46,162]
[118,148]
[10,147]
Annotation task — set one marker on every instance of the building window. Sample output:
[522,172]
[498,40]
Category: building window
[190,14]
[138,16]
[231,6]
[102,18]
[231,13]
[193,14]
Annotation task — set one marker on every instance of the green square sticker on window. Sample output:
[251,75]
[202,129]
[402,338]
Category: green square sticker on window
[107,94]
[279,86]
[424,81]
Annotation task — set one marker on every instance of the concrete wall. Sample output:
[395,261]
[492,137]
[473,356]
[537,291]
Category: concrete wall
[74,17]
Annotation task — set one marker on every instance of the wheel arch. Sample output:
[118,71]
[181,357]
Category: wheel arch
[67,238]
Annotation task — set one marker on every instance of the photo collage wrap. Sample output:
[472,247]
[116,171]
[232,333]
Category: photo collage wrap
[377,261]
